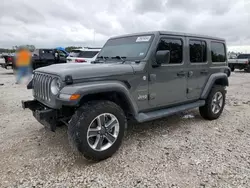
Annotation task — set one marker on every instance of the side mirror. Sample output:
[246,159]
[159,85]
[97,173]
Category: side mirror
[162,57]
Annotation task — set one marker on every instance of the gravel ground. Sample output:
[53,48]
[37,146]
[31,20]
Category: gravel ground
[180,151]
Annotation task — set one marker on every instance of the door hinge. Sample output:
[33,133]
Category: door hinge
[189,90]
[151,96]
[152,77]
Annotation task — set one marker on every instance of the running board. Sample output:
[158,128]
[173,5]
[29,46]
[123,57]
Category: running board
[142,117]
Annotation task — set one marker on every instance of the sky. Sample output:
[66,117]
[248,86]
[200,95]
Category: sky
[52,23]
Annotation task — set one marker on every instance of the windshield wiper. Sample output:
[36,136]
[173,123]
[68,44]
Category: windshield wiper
[119,57]
[97,60]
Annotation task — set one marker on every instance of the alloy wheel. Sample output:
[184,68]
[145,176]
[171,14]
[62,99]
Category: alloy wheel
[217,102]
[103,132]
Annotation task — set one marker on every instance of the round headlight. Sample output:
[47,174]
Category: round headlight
[55,86]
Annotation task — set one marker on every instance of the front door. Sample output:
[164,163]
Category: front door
[167,82]
[198,67]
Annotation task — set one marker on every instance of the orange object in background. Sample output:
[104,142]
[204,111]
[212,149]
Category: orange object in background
[23,58]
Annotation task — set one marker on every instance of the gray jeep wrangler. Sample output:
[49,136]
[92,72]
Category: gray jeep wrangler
[142,77]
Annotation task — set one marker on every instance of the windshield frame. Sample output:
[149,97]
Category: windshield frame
[129,58]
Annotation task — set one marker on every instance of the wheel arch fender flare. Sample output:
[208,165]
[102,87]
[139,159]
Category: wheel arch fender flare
[90,88]
[216,78]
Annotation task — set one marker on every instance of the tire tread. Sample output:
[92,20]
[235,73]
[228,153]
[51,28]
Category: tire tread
[76,124]
[206,110]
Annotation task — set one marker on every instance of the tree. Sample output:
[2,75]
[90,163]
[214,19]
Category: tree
[30,47]
[70,48]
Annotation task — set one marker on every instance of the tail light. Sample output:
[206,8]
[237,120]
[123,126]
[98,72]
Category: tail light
[80,61]
[246,62]
[9,59]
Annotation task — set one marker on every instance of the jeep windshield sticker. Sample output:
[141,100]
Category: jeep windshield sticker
[143,39]
[141,54]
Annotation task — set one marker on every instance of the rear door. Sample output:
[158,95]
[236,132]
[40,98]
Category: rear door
[198,66]
[47,56]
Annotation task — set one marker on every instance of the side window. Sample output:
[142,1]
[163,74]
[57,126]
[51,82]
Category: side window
[175,47]
[61,54]
[36,53]
[218,52]
[197,51]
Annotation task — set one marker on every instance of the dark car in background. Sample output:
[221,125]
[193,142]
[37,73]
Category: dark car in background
[46,57]
[40,58]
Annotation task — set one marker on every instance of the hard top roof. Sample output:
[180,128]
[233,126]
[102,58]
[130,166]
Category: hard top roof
[170,33]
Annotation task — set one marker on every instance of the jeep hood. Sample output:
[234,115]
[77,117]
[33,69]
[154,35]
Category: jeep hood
[80,70]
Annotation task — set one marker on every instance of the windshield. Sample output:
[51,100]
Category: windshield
[243,56]
[134,47]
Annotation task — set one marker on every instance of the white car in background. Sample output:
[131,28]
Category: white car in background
[83,55]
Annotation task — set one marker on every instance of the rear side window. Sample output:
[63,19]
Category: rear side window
[35,53]
[218,52]
[175,47]
[47,53]
[74,53]
[87,54]
[197,51]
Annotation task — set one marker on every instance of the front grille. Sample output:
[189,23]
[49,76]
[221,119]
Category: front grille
[41,83]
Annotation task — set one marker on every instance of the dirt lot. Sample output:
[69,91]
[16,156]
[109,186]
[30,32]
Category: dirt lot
[180,151]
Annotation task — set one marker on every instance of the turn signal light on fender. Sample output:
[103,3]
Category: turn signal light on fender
[74,97]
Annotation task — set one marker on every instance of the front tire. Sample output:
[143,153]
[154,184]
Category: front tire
[215,103]
[97,129]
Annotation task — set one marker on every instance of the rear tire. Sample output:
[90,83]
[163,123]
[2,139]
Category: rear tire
[88,129]
[215,103]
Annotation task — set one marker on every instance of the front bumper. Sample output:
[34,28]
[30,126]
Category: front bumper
[45,115]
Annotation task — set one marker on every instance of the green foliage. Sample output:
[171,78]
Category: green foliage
[70,48]
[4,50]
[30,47]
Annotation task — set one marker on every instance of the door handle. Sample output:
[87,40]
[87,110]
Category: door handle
[181,74]
[204,72]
